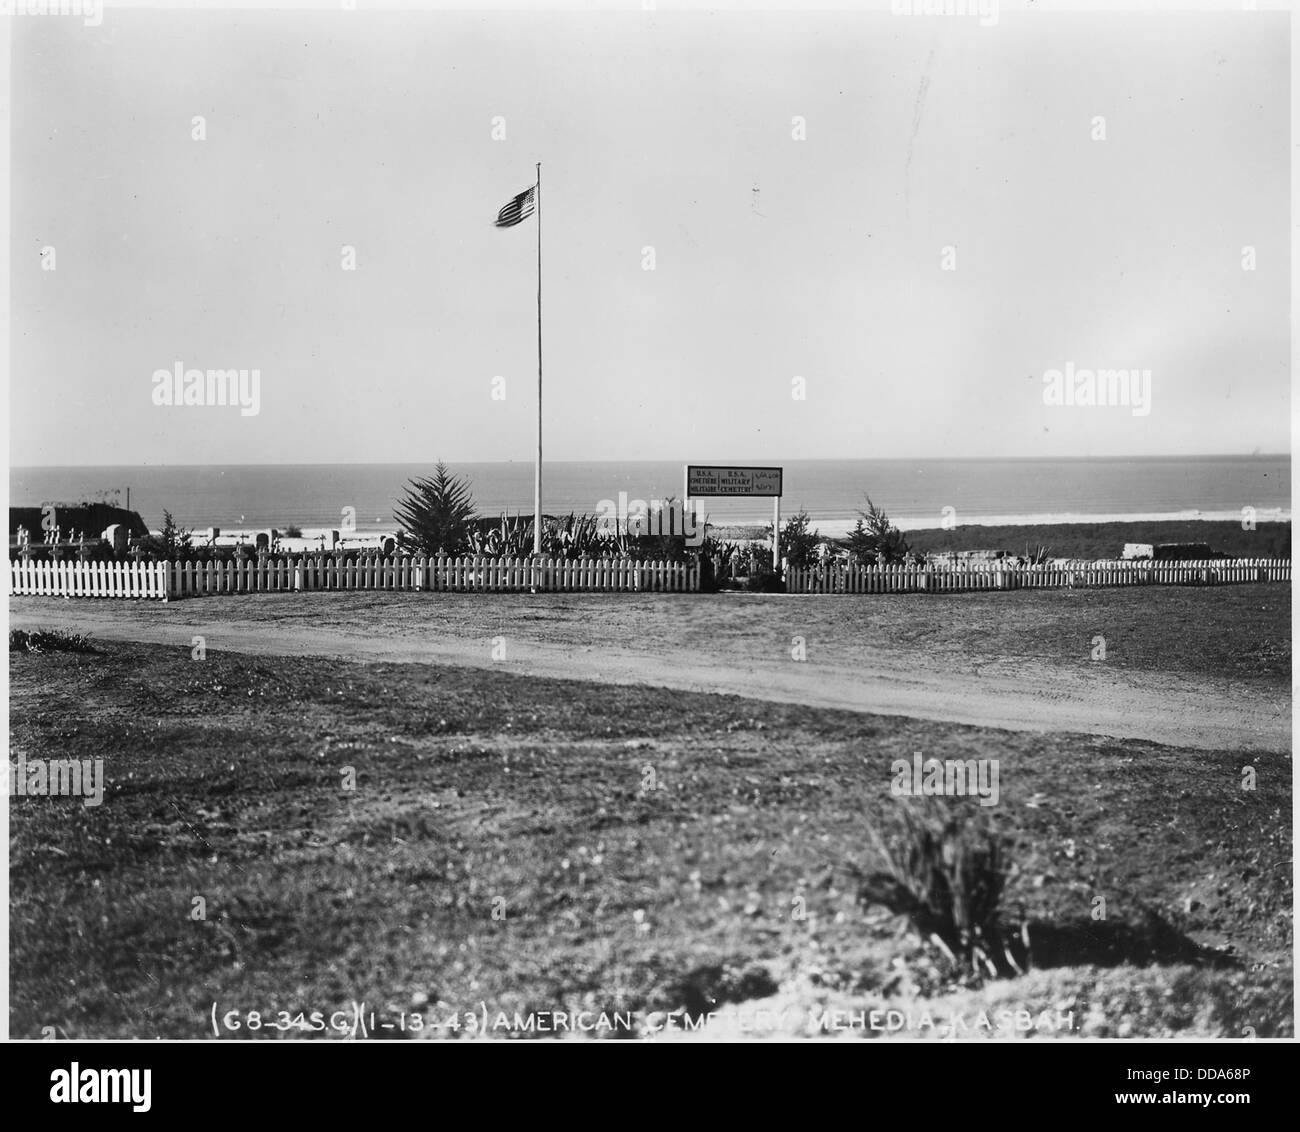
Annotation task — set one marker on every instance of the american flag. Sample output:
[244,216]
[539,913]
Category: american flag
[519,208]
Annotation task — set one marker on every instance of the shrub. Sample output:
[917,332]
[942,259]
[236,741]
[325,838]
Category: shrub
[172,544]
[581,536]
[874,538]
[945,874]
[715,560]
[511,538]
[48,640]
[764,581]
[714,547]
[799,545]
[663,547]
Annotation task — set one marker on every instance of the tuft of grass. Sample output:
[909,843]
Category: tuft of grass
[49,640]
[945,873]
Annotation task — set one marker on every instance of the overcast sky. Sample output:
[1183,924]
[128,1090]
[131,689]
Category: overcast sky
[773,257]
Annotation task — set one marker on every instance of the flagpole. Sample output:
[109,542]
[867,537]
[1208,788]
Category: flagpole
[537,476]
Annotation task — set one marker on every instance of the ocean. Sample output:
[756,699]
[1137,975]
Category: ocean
[913,492]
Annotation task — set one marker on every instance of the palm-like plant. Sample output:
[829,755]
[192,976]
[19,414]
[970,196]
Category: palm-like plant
[437,514]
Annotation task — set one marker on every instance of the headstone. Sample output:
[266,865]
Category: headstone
[115,536]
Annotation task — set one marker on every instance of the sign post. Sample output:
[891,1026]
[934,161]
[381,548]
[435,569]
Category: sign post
[776,536]
[727,480]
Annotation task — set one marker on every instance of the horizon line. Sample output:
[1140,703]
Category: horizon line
[671,460]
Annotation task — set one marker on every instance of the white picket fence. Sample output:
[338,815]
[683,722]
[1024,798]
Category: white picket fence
[166,580]
[89,579]
[841,579]
[163,580]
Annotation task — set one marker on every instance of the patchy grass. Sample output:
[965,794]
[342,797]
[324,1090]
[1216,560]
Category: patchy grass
[642,849]
[1240,632]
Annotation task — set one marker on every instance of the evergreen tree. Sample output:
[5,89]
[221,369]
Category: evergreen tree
[173,544]
[799,545]
[437,515]
[874,538]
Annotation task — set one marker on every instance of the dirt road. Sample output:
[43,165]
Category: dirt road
[833,652]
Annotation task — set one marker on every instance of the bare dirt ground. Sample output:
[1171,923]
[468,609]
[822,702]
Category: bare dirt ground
[427,838]
[726,884]
[1216,678]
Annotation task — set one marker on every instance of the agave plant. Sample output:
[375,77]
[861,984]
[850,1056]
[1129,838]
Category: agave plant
[945,872]
[510,538]
[580,536]
[715,548]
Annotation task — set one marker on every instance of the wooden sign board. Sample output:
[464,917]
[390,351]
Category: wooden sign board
[712,479]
